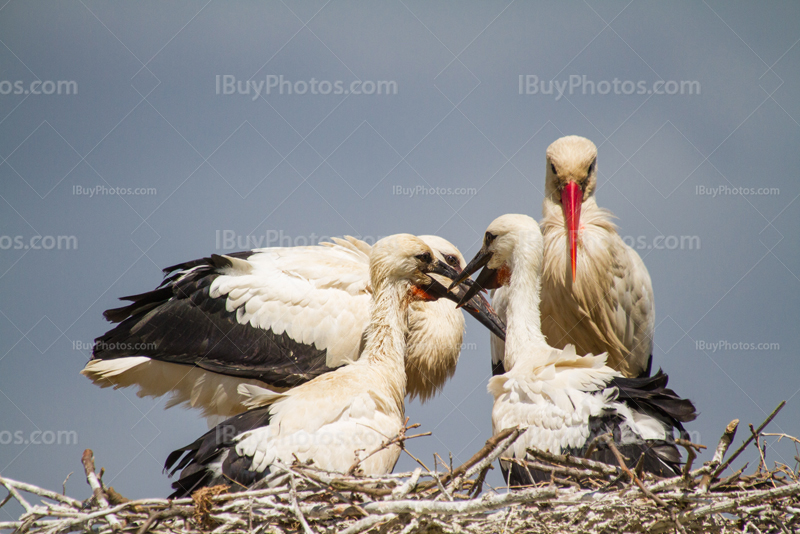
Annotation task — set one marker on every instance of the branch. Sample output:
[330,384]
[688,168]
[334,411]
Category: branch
[744,445]
[30,488]
[88,466]
[484,504]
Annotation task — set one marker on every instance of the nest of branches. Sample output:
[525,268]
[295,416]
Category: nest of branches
[582,496]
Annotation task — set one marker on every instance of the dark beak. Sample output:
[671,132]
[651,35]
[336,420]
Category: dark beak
[476,305]
[485,280]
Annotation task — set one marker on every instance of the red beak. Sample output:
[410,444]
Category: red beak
[571,200]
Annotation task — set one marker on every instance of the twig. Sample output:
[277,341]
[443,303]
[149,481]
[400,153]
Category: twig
[592,446]
[574,461]
[367,523]
[13,491]
[477,488]
[719,454]
[88,465]
[691,455]
[622,465]
[781,435]
[483,504]
[495,442]
[296,508]
[763,461]
[41,492]
[64,484]
[159,516]
[399,439]
[569,471]
[406,488]
[498,448]
[744,445]
[5,501]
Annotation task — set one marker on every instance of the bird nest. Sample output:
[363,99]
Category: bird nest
[582,496]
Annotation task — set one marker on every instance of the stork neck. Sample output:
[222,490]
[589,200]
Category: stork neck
[553,213]
[385,345]
[523,320]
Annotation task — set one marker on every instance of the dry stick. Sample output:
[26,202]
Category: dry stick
[574,461]
[13,491]
[719,454]
[490,445]
[484,504]
[729,504]
[398,439]
[30,488]
[5,501]
[343,485]
[781,435]
[560,470]
[477,488]
[622,465]
[401,491]
[296,507]
[88,466]
[592,446]
[763,461]
[163,514]
[744,445]
[499,448]
[64,484]
[690,450]
[481,460]
[367,523]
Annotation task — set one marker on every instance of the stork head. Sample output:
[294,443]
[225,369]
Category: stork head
[407,260]
[444,250]
[510,239]
[571,179]
[476,305]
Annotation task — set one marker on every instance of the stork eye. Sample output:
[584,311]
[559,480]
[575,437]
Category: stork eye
[451,260]
[424,257]
[553,168]
[591,168]
[489,238]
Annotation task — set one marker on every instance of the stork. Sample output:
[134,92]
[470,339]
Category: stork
[337,418]
[272,317]
[596,291]
[565,400]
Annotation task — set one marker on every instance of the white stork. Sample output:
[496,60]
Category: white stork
[336,418]
[596,291]
[566,400]
[272,317]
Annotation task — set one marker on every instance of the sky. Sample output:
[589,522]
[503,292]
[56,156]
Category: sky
[134,136]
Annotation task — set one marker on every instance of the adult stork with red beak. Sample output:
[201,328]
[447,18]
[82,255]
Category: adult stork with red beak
[596,291]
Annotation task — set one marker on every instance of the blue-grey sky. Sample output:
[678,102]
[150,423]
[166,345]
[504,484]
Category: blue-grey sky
[694,108]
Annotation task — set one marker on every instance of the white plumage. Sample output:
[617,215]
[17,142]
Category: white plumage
[274,317]
[339,417]
[596,291]
[562,398]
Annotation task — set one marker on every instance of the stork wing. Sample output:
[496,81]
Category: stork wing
[609,308]
[628,317]
[278,316]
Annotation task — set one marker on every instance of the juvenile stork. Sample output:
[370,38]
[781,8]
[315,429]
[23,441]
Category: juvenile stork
[566,400]
[272,317]
[336,418]
[596,291]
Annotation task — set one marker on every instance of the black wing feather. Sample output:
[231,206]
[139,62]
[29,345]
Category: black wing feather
[179,322]
[194,459]
[648,395]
